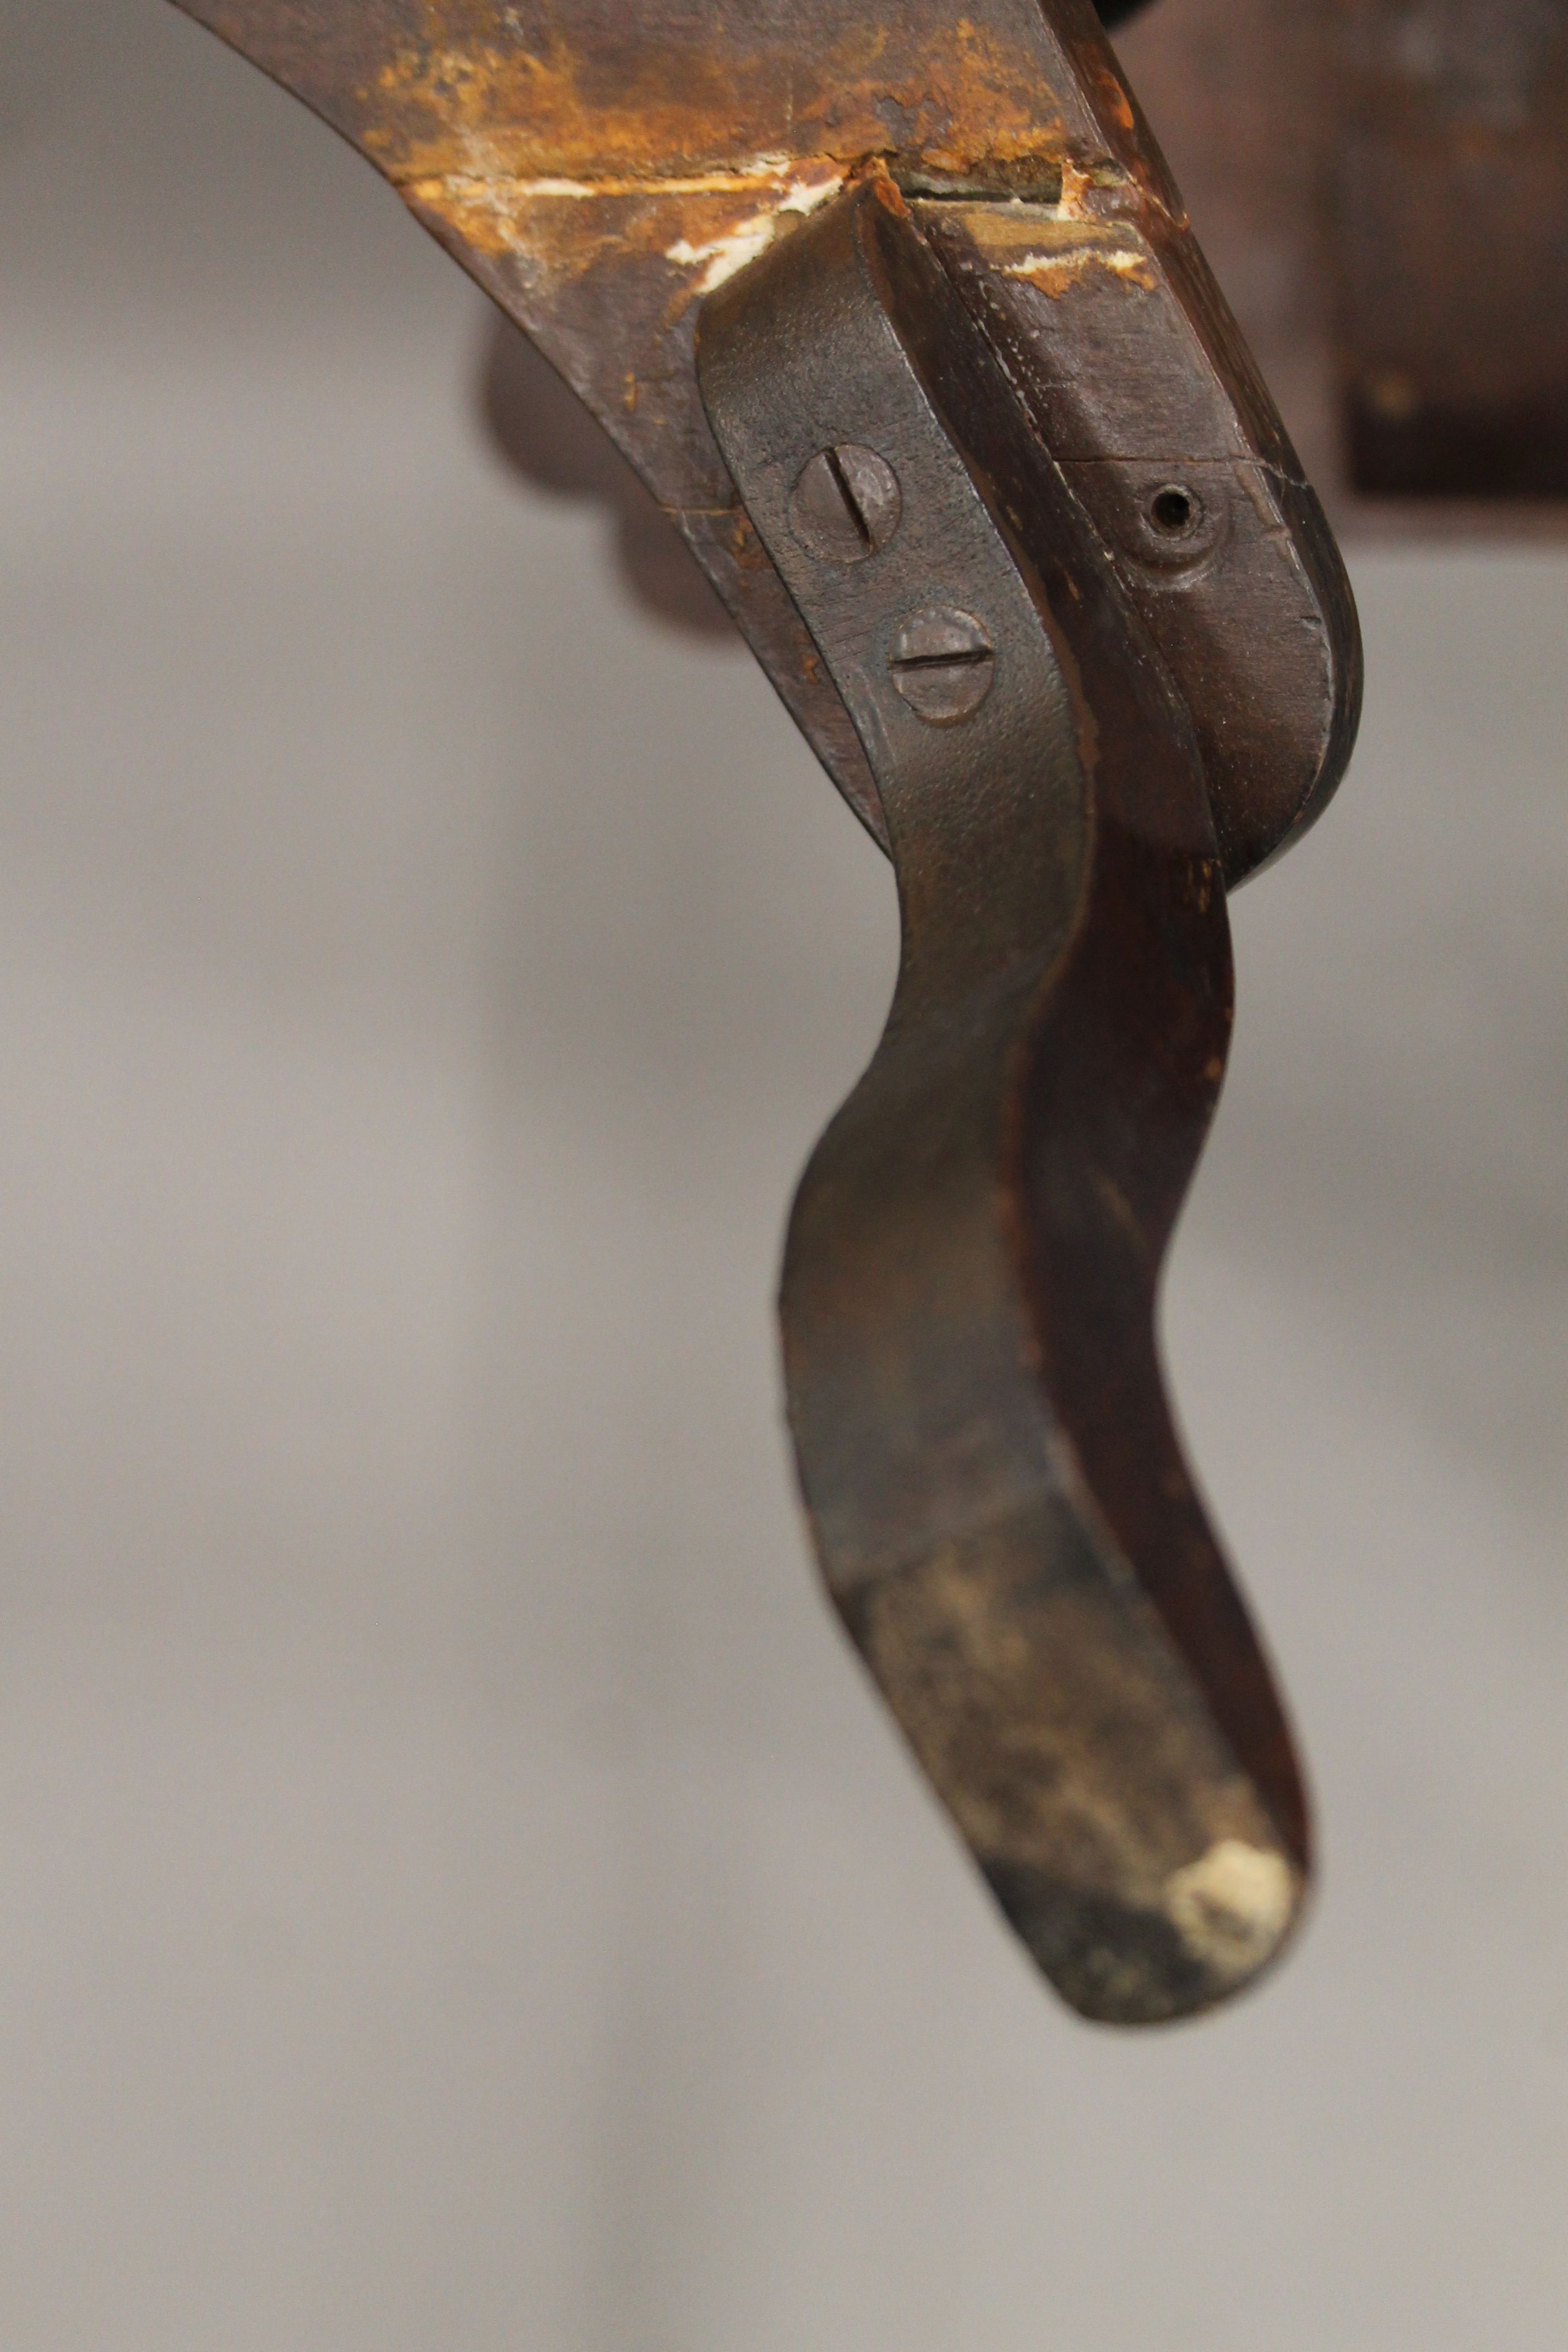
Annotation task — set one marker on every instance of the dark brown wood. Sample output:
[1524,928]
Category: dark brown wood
[1078,649]
[600,170]
[1000,1506]
[1383,191]
[539,426]
[1135,376]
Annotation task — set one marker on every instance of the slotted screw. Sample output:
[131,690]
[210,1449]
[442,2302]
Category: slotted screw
[943,664]
[845,503]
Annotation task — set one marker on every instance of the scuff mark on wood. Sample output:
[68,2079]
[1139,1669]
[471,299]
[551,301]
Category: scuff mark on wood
[1053,273]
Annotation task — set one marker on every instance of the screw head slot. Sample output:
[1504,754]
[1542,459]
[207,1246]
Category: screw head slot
[845,503]
[943,665]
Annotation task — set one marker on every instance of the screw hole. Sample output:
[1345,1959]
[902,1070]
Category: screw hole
[1173,510]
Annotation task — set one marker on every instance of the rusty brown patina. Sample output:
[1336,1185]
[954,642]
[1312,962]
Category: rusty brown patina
[602,171]
[578,157]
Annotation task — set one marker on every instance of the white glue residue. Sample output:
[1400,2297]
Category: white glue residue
[724,256]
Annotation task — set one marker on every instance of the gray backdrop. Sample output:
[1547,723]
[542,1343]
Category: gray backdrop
[454,1891]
